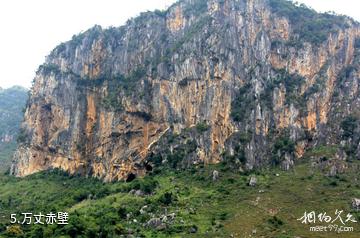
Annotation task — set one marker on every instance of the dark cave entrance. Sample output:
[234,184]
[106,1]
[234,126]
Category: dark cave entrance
[130,177]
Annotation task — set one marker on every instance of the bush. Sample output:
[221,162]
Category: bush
[306,23]
[160,13]
[166,198]
[357,43]
[276,222]
[147,185]
[14,231]
[292,83]
[22,137]
[241,103]
[323,151]
[49,68]
[202,127]
[282,146]
[348,125]
[196,8]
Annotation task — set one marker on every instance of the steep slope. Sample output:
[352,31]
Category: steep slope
[256,82]
[195,205]
[12,102]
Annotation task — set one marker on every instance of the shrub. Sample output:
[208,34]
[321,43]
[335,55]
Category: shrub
[166,198]
[348,125]
[22,137]
[14,231]
[323,151]
[276,222]
[282,146]
[148,185]
[196,8]
[241,103]
[202,127]
[292,83]
[49,68]
[160,13]
[308,25]
[357,43]
[333,184]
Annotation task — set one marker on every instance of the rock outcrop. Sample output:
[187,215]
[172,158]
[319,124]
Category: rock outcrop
[203,82]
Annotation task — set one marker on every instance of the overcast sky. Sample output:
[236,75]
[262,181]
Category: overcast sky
[30,29]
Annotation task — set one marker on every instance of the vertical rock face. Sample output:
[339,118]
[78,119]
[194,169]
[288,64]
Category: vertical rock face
[203,82]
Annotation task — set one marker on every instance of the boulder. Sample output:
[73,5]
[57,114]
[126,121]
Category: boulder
[139,193]
[193,229]
[155,223]
[215,175]
[143,210]
[356,204]
[253,181]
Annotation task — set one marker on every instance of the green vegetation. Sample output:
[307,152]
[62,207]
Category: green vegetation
[348,125]
[22,137]
[160,13]
[49,68]
[292,83]
[202,207]
[118,86]
[322,151]
[240,141]
[357,43]
[179,154]
[283,145]
[310,26]
[6,152]
[196,8]
[12,103]
[202,127]
[111,101]
[195,29]
[346,72]
[238,156]
[242,103]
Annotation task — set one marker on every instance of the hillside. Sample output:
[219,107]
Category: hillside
[12,104]
[200,207]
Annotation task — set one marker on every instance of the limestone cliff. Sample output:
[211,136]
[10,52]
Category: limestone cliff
[257,82]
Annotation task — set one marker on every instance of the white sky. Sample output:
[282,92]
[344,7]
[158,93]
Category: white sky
[30,29]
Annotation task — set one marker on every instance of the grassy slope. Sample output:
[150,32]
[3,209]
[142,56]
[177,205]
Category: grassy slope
[217,209]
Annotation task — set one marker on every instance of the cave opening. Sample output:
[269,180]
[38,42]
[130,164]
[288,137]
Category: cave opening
[130,177]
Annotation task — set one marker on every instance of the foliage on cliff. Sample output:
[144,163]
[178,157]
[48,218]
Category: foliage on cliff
[309,26]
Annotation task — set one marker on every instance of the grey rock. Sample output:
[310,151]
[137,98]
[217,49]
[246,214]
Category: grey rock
[356,204]
[143,210]
[215,175]
[155,223]
[333,171]
[287,163]
[252,181]
[139,193]
[193,229]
